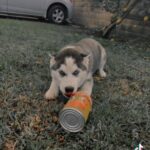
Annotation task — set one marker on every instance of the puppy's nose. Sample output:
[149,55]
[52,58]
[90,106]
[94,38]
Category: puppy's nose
[69,89]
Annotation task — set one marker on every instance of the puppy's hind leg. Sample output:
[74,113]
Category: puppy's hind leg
[53,91]
[103,59]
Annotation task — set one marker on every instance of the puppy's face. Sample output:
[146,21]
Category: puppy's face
[69,71]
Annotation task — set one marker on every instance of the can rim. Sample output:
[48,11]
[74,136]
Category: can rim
[71,129]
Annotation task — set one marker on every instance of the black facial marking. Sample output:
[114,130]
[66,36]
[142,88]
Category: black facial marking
[60,59]
[76,72]
[62,73]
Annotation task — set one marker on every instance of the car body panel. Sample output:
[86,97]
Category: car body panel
[25,7]
[37,8]
[3,5]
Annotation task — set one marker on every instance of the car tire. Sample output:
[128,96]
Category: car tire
[57,14]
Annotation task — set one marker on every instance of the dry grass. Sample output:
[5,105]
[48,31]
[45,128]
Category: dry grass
[121,112]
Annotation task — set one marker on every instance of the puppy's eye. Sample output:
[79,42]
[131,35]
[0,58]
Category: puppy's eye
[76,72]
[62,73]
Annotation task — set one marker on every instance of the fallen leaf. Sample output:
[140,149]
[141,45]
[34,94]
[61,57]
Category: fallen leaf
[55,119]
[61,139]
[124,86]
[9,145]
[146,18]
[35,121]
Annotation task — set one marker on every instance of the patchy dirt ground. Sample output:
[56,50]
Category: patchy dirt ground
[120,119]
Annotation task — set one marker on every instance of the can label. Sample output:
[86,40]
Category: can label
[80,102]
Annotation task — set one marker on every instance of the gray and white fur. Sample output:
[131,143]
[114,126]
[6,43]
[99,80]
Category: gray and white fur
[73,67]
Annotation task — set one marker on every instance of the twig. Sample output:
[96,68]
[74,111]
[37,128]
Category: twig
[14,145]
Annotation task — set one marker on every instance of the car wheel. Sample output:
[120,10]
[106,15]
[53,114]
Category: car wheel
[57,14]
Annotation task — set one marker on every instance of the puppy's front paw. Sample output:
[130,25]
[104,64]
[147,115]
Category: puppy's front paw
[103,74]
[50,96]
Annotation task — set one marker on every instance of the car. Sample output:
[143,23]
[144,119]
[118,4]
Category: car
[56,11]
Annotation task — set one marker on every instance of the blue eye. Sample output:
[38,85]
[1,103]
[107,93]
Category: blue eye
[76,72]
[62,73]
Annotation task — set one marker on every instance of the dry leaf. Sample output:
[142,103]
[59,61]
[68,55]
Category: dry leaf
[146,18]
[55,119]
[124,86]
[9,145]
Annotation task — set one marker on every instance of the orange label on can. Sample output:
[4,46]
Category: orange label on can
[80,102]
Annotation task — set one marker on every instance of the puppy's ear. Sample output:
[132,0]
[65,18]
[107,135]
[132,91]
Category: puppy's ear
[86,60]
[52,59]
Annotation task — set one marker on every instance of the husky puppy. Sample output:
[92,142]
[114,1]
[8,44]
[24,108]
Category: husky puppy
[72,68]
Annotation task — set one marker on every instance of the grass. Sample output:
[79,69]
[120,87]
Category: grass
[121,111]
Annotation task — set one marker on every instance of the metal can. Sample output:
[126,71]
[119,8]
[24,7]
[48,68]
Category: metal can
[75,113]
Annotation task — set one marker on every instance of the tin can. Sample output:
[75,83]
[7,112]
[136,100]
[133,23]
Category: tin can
[75,113]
